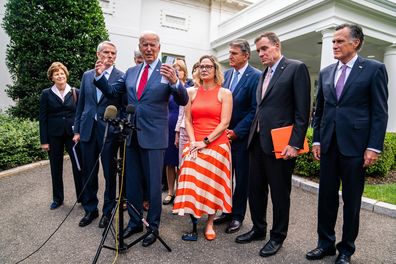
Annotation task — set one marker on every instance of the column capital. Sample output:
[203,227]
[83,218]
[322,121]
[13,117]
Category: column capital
[390,50]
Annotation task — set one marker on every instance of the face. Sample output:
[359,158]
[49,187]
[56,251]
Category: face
[237,58]
[344,47]
[207,69]
[59,77]
[180,73]
[138,59]
[268,52]
[107,55]
[149,47]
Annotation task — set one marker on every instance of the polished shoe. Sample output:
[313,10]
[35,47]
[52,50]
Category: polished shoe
[343,259]
[88,218]
[221,219]
[104,221]
[319,253]
[252,235]
[55,205]
[270,248]
[150,239]
[233,227]
[129,231]
[168,199]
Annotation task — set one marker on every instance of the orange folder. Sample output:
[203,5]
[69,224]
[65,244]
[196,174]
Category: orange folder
[280,139]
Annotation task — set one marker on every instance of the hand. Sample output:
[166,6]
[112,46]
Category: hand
[76,138]
[370,158]
[231,135]
[289,153]
[195,147]
[99,67]
[177,135]
[169,73]
[316,151]
[45,147]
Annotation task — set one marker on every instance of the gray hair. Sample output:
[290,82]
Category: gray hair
[137,53]
[144,33]
[242,44]
[106,42]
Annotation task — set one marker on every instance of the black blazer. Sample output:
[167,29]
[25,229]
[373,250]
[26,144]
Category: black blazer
[286,102]
[56,117]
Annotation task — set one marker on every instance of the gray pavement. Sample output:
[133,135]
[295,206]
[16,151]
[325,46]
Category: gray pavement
[26,222]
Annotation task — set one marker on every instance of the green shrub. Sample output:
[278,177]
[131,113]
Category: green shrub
[19,142]
[306,165]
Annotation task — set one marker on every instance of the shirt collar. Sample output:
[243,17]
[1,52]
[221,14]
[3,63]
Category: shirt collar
[241,70]
[152,65]
[110,69]
[349,63]
[273,68]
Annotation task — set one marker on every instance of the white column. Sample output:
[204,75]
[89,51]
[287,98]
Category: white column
[327,57]
[390,63]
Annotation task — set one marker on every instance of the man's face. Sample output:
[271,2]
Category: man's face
[344,47]
[269,53]
[149,47]
[138,59]
[107,55]
[237,58]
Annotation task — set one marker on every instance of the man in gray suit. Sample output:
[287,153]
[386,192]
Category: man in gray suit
[149,93]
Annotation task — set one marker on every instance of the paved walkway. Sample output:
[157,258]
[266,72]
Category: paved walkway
[26,221]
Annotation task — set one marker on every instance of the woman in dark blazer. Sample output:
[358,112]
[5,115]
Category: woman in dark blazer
[57,112]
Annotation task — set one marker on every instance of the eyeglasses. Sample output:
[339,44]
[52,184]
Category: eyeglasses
[206,67]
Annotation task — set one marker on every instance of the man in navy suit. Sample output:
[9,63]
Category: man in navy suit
[149,86]
[349,129]
[242,80]
[89,129]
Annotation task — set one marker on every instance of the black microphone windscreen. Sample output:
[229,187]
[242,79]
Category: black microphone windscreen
[130,109]
[111,112]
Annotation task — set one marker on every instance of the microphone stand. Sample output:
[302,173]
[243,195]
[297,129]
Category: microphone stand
[122,132]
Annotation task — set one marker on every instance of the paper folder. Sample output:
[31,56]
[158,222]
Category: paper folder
[280,139]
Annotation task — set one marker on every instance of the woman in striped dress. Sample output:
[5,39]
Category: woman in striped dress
[205,180]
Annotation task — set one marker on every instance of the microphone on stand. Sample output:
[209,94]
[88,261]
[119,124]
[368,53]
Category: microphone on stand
[109,115]
[130,110]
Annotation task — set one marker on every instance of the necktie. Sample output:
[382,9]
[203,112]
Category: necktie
[341,81]
[99,92]
[234,81]
[143,81]
[266,82]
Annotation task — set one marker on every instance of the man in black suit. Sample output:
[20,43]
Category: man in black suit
[89,129]
[283,99]
[242,80]
[349,129]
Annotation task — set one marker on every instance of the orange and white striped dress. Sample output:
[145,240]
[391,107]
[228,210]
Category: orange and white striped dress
[204,185]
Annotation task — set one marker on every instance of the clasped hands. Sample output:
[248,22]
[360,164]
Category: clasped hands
[195,147]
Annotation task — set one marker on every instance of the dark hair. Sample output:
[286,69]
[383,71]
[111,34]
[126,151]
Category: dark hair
[271,36]
[355,32]
[242,44]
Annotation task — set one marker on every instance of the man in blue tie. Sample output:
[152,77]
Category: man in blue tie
[89,129]
[242,80]
[349,129]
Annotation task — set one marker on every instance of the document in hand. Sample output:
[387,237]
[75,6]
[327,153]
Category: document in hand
[280,139]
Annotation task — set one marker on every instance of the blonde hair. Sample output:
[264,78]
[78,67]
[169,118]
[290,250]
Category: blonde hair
[56,66]
[180,63]
[219,76]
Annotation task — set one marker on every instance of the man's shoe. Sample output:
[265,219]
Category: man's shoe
[222,219]
[88,218]
[319,253]
[233,227]
[252,235]
[104,221]
[129,231]
[55,205]
[343,259]
[270,248]
[150,239]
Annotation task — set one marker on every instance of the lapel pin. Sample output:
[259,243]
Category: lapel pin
[282,68]
[360,67]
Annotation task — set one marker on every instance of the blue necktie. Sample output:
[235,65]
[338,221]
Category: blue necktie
[99,92]
[234,80]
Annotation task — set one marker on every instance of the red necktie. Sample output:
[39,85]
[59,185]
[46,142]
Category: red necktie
[143,81]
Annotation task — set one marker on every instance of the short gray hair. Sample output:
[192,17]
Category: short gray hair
[144,33]
[242,44]
[137,53]
[106,42]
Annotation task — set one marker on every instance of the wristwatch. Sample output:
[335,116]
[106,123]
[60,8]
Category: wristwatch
[206,141]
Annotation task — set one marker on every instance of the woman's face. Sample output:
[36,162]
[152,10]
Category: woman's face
[180,73]
[59,77]
[207,70]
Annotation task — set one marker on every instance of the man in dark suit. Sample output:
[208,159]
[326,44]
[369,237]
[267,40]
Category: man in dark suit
[283,99]
[349,129]
[89,129]
[149,86]
[242,80]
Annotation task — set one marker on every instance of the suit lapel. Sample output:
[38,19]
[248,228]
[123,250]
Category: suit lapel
[56,96]
[153,78]
[355,72]
[332,78]
[278,72]
[228,77]
[242,81]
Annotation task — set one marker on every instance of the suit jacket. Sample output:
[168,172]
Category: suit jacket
[359,118]
[244,100]
[151,111]
[286,102]
[88,106]
[56,117]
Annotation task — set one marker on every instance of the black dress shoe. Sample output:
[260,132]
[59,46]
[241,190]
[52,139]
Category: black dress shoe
[343,259]
[222,219]
[55,205]
[250,236]
[104,221]
[129,231]
[270,248]
[150,239]
[88,218]
[319,253]
[233,227]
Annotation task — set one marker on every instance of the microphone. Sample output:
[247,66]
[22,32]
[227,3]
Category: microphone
[109,115]
[130,110]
